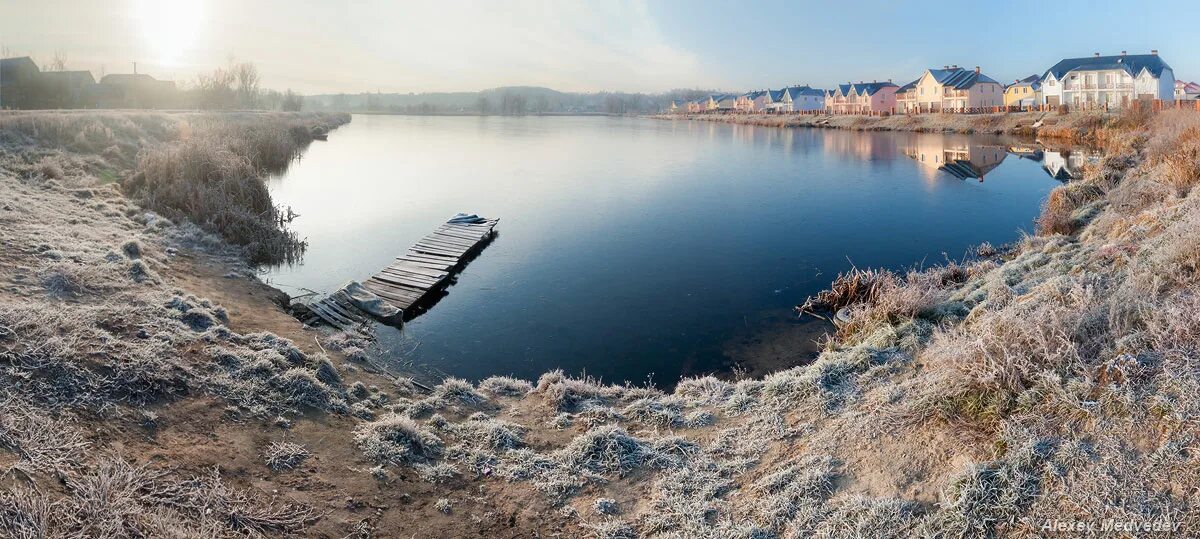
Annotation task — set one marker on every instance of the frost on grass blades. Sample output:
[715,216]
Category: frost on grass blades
[984,397]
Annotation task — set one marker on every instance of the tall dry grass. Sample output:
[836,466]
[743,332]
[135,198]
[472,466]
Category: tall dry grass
[213,177]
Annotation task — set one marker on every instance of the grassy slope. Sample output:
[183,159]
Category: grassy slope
[1056,380]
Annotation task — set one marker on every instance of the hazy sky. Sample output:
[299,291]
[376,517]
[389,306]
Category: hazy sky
[653,45]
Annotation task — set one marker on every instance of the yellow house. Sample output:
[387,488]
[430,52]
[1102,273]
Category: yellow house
[1026,92]
[950,89]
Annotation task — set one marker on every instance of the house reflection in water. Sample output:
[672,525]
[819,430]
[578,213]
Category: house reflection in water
[956,156]
[1065,165]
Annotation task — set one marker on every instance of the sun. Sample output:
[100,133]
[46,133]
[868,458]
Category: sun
[169,26]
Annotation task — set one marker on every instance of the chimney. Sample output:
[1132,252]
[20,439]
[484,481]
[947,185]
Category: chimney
[1154,52]
[976,70]
[1123,53]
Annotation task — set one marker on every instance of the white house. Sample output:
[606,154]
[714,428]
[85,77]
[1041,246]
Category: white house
[773,101]
[1113,81]
[1187,90]
[801,98]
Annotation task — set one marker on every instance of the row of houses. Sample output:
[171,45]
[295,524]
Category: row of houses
[24,86]
[1089,82]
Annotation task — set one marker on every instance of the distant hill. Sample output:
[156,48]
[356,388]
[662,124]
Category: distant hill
[513,100]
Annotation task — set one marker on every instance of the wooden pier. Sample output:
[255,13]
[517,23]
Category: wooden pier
[407,283]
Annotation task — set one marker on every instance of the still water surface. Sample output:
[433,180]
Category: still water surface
[634,248]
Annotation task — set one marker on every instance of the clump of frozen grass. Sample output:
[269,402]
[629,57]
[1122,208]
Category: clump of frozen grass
[63,281]
[560,421]
[612,529]
[281,456]
[327,373]
[505,386]
[699,418]
[604,449]
[133,249]
[304,389]
[116,499]
[397,440]
[140,272]
[570,395]
[494,434]
[605,506]
[457,391]
[659,411]
[443,505]
[435,473]
[994,493]
[704,390]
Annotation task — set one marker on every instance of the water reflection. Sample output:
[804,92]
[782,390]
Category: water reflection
[1067,163]
[630,248]
[959,158]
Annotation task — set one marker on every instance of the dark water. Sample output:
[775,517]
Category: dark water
[630,247]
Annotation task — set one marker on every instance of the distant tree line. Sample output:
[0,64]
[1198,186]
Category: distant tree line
[236,86]
[511,101]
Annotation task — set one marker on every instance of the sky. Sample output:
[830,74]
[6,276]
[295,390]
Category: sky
[315,46]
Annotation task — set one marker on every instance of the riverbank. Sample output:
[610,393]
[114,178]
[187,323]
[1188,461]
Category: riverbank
[1053,381]
[1078,126]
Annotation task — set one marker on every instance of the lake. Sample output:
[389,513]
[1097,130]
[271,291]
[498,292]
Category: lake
[639,249]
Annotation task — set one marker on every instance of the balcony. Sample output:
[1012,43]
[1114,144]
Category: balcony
[1074,86]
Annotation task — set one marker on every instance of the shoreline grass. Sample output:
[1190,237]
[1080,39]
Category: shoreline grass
[1056,379]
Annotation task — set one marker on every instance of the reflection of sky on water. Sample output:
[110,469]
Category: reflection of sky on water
[628,246]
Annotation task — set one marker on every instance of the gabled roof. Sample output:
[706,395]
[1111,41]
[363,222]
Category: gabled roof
[11,67]
[867,88]
[959,78]
[908,86]
[797,91]
[1132,64]
[775,95]
[1032,81]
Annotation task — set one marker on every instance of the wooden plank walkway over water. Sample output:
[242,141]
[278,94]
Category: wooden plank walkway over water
[406,283]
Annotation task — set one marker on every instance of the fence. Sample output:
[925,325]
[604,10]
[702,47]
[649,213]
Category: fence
[1155,105]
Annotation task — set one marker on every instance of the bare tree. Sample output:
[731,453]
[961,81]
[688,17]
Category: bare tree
[59,63]
[246,76]
[292,102]
[216,90]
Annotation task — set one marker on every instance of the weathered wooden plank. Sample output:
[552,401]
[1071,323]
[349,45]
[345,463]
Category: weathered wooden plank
[459,233]
[451,240]
[440,266]
[380,287]
[344,310]
[399,302]
[333,319]
[397,288]
[453,252]
[432,257]
[420,270]
[424,280]
[421,248]
[405,281]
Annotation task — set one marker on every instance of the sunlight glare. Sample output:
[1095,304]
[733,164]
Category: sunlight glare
[169,26]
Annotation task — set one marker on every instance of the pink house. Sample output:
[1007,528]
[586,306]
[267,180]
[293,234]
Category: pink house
[862,98]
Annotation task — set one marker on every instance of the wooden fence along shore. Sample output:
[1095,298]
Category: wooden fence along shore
[410,284]
[1155,105]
